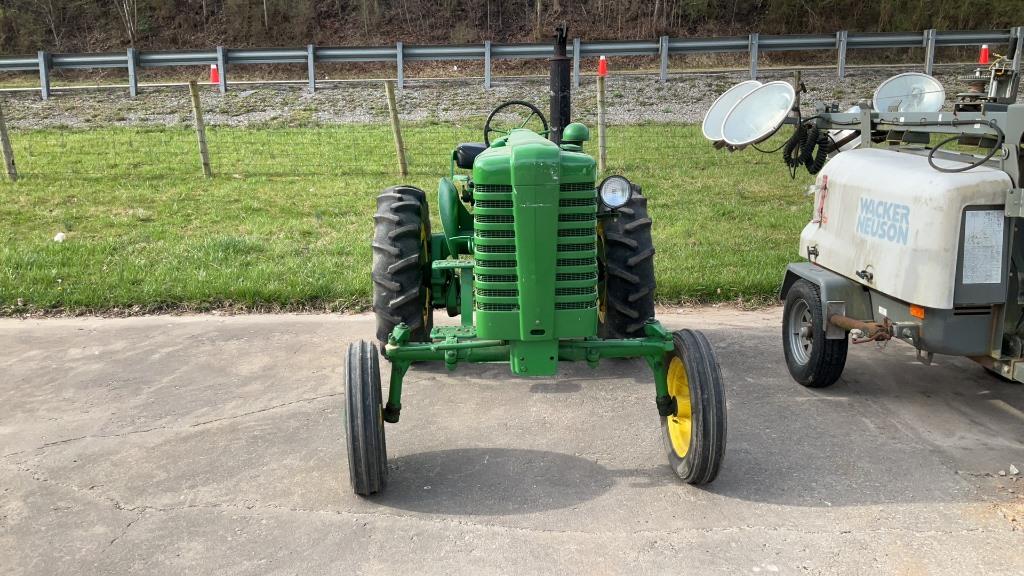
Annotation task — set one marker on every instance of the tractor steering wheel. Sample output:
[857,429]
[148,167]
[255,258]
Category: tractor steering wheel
[534,111]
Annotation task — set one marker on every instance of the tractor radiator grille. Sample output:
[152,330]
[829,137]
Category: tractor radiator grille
[493,189]
[577,187]
[576,265]
[574,276]
[496,234]
[494,204]
[495,249]
[576,305]
[485,293]
[496,280]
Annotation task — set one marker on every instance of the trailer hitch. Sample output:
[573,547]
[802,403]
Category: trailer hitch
[872,331]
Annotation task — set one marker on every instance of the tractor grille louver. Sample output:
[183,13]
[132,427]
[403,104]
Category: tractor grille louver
[495,248]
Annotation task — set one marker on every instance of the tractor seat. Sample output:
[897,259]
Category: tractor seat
[466,152]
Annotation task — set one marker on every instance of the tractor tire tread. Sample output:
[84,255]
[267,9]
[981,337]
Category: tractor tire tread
[400,276]
[627,266]
[364,424]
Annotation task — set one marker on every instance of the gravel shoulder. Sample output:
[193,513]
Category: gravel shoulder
[632,99]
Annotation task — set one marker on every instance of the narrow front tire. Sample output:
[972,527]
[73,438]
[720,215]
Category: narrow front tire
[364,420]
[694,436]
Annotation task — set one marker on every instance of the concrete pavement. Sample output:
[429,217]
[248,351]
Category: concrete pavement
[214,445]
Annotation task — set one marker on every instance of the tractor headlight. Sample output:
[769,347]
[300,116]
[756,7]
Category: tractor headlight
[615,191]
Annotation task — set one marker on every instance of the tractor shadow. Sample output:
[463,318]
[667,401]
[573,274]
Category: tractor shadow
[492,481]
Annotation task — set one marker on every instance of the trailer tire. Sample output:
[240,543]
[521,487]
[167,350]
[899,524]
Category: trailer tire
[813,360]
[364,420]
[695,435]
[401,263]
[626,271]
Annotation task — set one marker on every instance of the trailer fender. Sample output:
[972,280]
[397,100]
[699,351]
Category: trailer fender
[839,295]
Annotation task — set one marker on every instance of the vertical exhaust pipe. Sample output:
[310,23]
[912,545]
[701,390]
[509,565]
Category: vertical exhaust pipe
[561,95]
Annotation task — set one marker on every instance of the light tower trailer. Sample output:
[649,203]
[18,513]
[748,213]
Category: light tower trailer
[915,243]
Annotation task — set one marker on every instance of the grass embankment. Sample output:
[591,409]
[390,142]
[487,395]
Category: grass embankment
[287,219]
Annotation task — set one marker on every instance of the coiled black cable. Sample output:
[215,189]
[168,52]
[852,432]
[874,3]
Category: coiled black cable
[815,161]
[1000,138]
[793,149]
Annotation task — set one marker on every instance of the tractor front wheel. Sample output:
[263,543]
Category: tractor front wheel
[694,436]
[401,263]
[626,281]
[364,420]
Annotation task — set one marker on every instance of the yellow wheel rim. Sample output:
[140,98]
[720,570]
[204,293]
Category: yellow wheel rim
[679,425]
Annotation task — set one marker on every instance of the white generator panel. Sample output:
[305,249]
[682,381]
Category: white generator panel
[890,221]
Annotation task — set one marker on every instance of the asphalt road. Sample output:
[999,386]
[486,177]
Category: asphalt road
[214,445]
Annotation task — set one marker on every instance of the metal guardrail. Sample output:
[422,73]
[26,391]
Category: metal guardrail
[664,47]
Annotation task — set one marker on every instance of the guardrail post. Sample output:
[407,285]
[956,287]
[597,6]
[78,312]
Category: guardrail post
[487,64]
[753,55]
[311,67]
[576,62]
[44,75]
[133,79]
[399,60]
[929,50]
[1018,33]
[663,47]
[841,41]
[222,69]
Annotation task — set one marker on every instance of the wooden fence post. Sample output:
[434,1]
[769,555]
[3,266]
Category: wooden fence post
[389,89]
[5,143]
[197,113]
[602,150]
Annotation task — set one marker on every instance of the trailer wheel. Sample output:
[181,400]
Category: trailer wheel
[364,420]
[401,263]
[813,360]
[694,436]
[626,271]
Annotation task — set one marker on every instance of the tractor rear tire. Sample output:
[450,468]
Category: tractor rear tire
[627,271]
[401,263]
[364,420]
[694,436]
[813,360]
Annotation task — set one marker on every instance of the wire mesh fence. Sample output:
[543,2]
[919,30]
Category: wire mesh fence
[112,210]
[128,151]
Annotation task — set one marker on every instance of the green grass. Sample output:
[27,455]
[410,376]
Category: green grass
[286,221]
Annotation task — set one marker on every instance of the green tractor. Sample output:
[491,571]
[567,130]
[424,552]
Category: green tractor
[543,266]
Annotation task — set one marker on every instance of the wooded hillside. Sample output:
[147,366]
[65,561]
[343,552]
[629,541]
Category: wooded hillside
[96,25]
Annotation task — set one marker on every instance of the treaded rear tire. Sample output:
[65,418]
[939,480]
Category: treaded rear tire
[824,364]
[627,271]
[708,423]
[401,263]
[364,420]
